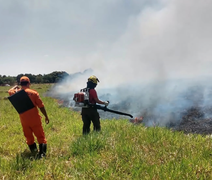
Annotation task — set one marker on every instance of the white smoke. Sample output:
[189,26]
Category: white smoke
[162,54]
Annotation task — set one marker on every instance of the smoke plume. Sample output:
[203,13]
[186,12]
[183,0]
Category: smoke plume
[158,67]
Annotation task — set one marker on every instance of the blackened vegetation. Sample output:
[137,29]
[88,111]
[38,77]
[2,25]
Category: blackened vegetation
[191,113]
[198,118]
[195,118]
[196,121]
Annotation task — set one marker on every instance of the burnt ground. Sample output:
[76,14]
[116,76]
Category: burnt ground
[196,121]
[203,127]
[198,118]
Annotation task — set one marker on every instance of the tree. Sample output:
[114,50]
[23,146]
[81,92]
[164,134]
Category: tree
[53,77]
[39,79]
[1,80]
[18,78]
[8,80]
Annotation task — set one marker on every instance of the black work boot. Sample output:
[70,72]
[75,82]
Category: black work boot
[42,150]
[33,148]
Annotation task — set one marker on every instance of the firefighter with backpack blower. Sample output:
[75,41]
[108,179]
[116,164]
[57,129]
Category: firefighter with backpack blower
[89,112]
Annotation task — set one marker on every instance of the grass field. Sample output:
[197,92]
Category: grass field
[121,150]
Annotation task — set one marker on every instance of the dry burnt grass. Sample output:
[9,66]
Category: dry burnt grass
[198,118]
[195,118]
[195,121]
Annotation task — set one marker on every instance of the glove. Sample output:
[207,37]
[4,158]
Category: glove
[106,103]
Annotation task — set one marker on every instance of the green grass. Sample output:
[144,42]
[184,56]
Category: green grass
[120,151]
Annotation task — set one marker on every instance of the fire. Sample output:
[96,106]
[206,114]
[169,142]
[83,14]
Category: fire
[60,102]
[137,120]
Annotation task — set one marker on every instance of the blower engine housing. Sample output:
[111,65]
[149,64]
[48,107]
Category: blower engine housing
[82,98]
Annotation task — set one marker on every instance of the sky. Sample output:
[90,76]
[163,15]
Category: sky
[116,38]
[40,37]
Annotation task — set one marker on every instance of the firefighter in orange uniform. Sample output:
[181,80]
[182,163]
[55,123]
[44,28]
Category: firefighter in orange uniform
[31,120]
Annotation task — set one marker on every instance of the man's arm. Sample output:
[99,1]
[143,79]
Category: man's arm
[43,110]
[99,101]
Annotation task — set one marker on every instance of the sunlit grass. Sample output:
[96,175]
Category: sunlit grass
[120,151]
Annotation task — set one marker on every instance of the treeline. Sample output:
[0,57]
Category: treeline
[53,77]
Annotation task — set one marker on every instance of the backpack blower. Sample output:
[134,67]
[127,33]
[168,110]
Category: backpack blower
[82,100]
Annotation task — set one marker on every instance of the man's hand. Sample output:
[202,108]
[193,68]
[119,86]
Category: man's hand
[47,120]
[16,87]
[106,103]
[43,110]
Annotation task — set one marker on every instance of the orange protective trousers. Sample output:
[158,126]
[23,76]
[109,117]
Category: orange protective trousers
[31,123]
